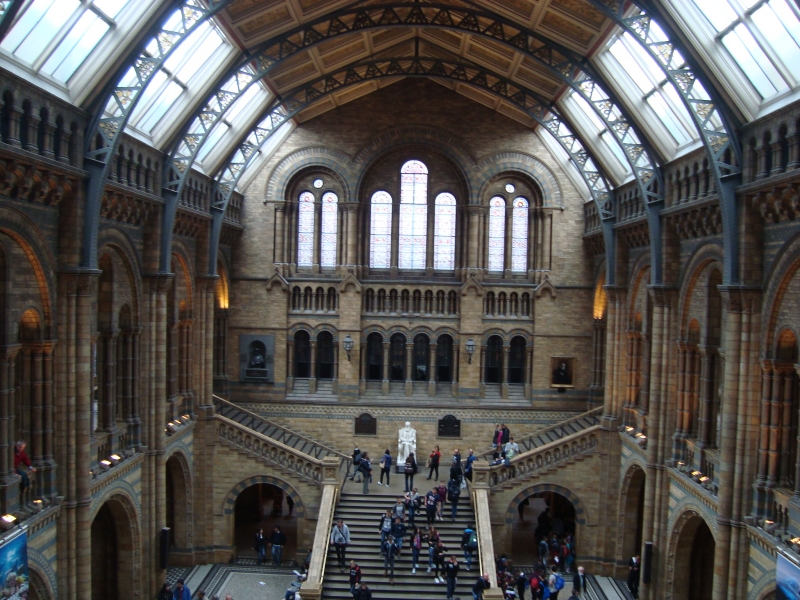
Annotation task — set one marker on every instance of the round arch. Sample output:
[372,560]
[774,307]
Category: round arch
[229,501]
[631,512]
[42,578]
[581,514]
[784,269]
[524,165]
[180,496]
[690,560]
[116,534]
[337,162]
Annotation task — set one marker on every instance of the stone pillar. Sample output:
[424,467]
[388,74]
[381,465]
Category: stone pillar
[677,437]
[386,367]
[409,387]
[48,139]
[312,382]
[335,382]
[47,476]
[290,366]
[432,370]
[785,408]
[472,247]
[504,386]
[706,395]
[483,526]
[109,350]
[797,465]
[352,234]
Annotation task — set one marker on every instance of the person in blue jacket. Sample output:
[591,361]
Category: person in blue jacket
[386,465]
[181,591]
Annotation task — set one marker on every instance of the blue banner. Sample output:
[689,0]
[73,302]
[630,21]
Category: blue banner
[787,579]
[14,566]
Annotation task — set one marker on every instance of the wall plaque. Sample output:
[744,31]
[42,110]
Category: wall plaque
[257,358]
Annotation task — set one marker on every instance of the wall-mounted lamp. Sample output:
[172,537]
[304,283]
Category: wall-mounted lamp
[7,522]
[471,345]
[348,345]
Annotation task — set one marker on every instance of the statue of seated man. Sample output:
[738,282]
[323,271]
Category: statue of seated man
[406,444]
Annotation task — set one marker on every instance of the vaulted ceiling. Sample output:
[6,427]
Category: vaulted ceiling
[571,28]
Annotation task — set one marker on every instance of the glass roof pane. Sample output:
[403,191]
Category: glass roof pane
[589,112]
[199,56]
[631,66]
[253,92]
[644,59]
[46,29]
[25,24]
[149,92]
[662,109]
[783,43]
[752,60]
[73,50]
[160,106]
[212,140]
[718,12]
[186,48]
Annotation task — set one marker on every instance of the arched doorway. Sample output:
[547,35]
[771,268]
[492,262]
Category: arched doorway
[494,360]
[540,516]
[693,575]
[632,515]
[264,506]
[114,572]
[397,357]
[325,357]
[444,359]
[302,355]
[374,357]
[178,505]
[516,360]
[422,352]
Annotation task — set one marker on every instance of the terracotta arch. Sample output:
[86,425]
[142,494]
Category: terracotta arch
[229,503]
[581,514]
[180,474]
[631,492]
[679,553]
[128,542]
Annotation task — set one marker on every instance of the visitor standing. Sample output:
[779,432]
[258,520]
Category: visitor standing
[441,491]
[355,576]
[468,465]
[278,541]
[633,576]
[260,546]
[439,555]
[431,502]
[433,540]
[410,470]
[433,461]
[390,550]
[386,466]
[181,591]
[416,546]
[366,471]
[480,585]
[469,543]
[454,492]
[363,592]
[385,526]
[356,465]
[451,573]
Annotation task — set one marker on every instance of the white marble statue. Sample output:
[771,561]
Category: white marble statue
[406,443]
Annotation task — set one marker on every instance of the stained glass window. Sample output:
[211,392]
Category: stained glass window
[380,239]
[305,230]
[330,226]
[519,236]
[413,215]
[497,232]
[444,233]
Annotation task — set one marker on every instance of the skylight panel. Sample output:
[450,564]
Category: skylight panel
[73,50]
[778,19]
[253,92]
[752,60]
[631,66]
[589,112]
[667,116]
[213,139]
[56,37]
[719,12]
[160,106]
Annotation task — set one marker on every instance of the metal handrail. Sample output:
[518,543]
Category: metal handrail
[286,433]
[560,429]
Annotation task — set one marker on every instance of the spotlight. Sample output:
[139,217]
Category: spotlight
[7,522]
[114,458]
[628,428]
[171,428]
[770,526]
[105,465]
[38,505]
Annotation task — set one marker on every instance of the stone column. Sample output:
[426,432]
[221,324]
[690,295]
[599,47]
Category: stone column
[312,382]
[109,380]
[706,395]
[785,408]
[678,435]
[432,370]
[504,385]
[335,382]
[409,387]
[774,448]
[290,366]
[472,243]
[483,526]
[797,465]
[386,367]
[351,233]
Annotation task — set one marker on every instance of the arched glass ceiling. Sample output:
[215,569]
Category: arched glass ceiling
[759,39]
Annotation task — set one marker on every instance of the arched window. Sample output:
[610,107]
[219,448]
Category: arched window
[497,233]
[444,233]
[305,230]
[397,357]
[380,239]
[330,227]
[494,359]
[302,355]
[375,357]
[413,215]
[516,360]
[325,355]
[519,236]
[444,359]
[422,349]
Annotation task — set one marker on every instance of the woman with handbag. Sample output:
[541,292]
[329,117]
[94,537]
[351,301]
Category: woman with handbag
[410,470]
[386,465]
[433,462]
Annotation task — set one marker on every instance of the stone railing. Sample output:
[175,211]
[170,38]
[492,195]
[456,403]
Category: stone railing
[312,587]
[540,460]
[548,435]
[483,528]
[270,451]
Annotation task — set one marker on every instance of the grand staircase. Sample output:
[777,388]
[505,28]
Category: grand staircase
[361,514]
[259,424]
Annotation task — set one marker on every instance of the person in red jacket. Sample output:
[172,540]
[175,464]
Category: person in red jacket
[20,459]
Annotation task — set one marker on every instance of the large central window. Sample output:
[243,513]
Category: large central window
[380,239]
[413,215]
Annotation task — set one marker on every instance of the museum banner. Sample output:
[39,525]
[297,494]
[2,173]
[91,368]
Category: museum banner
[787,579]
[14,565]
